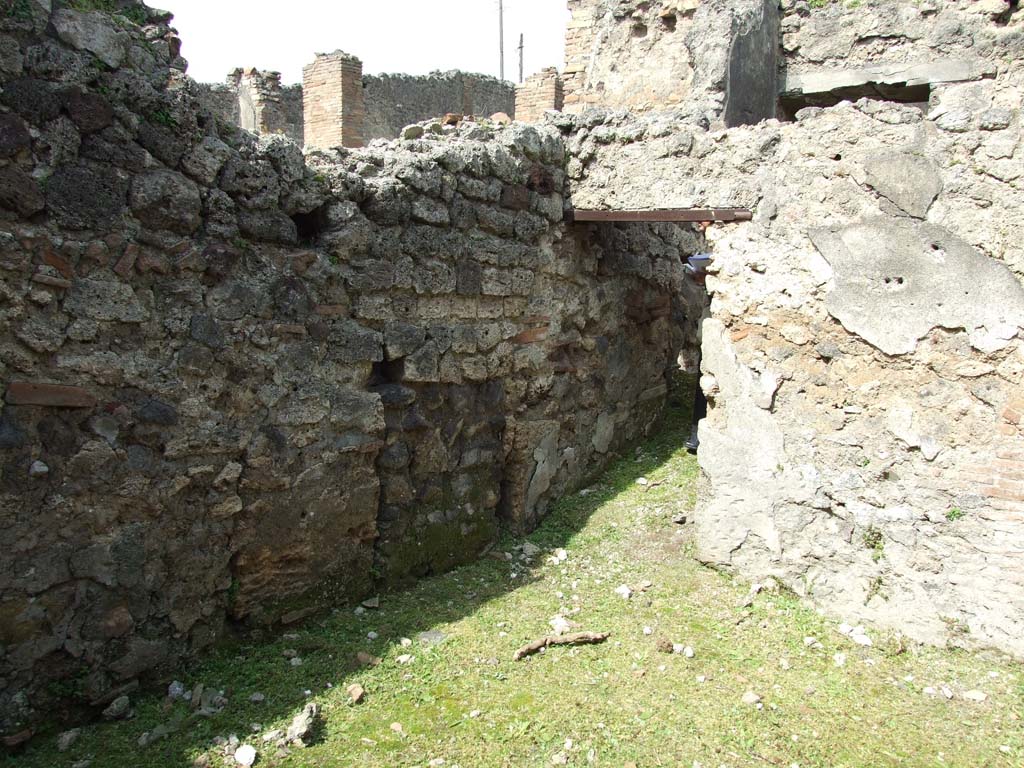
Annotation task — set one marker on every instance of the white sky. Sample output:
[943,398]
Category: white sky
[411,36]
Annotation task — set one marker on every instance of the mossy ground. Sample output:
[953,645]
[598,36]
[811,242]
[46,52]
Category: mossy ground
[464,701]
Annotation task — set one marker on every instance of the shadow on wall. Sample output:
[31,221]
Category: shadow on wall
[328,648]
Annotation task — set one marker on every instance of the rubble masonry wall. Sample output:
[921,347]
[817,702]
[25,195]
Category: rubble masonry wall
[237,382]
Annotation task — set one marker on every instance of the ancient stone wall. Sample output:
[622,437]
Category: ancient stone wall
[880,49]
[540,93]
[395,101]
[716,59]
[256,101]
[864,357]
[236,385]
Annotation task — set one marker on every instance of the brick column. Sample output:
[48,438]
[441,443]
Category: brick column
[540,93]
[333,104]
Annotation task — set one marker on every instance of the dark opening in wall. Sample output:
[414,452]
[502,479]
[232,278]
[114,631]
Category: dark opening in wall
[311,225]
[901,93]
[668,21]
[387,372]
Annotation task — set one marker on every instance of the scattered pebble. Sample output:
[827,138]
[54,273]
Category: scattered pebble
[296,662]
[624,592]
[688,652]
[245,755]
[372,635]
[978,696]
[856,634]
[839,659]
[176,690]
[303,725]
[372,602]
[642,481]
[405,642]
[396,727]
[118,708]
[405,658]
[529,549]
[257,698]
[431,637]
[784,664]
[475,713]
[812,642]
[560,625]
[750,698]
[367,659]
[38,469]
[67,739]
[356,693]
[437,762]
[648,631]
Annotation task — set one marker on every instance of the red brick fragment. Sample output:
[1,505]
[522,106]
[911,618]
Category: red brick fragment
[50,395]
[126,264]
[56,282]
[59,263]
[531,335]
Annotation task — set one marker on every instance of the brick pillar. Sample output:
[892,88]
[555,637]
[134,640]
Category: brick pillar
[333,105]
[540,92]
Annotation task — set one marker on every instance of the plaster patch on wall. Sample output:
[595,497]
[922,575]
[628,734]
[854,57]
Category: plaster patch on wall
[896,280]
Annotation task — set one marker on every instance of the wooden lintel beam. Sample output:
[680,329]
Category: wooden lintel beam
[668,214]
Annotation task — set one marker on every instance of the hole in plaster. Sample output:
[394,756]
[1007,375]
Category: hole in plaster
[669,22]
[639,30]
[837,158]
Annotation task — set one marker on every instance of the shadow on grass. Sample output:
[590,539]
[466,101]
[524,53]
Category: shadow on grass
[328,647]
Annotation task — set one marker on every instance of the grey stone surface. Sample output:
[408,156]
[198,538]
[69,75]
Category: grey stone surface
[911,182]
[94,32]
[923,73]
[166,200]
[895,281]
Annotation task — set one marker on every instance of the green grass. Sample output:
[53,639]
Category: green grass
[615,704]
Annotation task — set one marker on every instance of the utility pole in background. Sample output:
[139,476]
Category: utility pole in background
[501,37]
[520,57]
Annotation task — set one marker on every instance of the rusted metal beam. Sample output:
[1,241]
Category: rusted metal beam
[666,214]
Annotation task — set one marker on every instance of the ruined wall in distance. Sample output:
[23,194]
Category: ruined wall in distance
[395,101]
